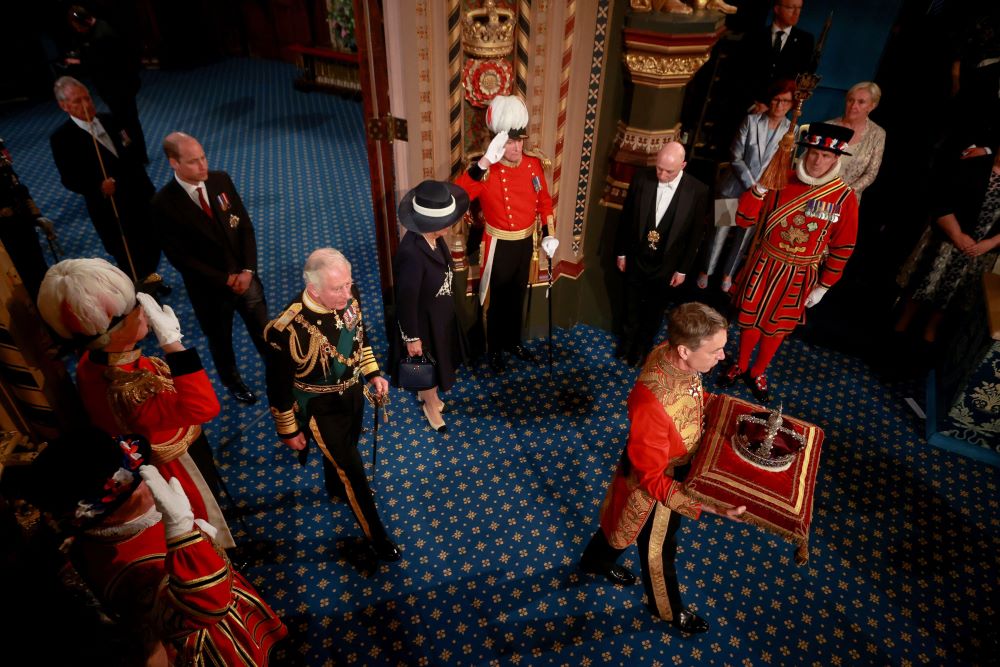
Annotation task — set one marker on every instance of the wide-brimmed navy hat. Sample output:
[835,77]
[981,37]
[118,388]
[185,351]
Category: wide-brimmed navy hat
[827,137]
[432,206]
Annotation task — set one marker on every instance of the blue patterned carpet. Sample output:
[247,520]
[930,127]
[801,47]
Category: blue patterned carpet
[492,516]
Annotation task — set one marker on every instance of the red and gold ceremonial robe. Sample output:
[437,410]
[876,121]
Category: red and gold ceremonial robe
[665,410]
[511,195]
[166,402]
[806,241]
[182,592]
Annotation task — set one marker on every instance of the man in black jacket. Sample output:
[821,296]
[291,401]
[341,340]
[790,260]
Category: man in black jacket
[776,51]
[208,236]
[98,159]
[662,223]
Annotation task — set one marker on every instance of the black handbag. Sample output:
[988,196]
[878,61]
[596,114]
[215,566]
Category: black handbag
[416,373]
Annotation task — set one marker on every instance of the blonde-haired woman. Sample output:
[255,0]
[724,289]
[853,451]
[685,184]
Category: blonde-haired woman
[861,167]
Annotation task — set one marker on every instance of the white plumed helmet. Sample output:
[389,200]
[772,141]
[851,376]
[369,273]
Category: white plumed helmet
[84,298]
[507,113]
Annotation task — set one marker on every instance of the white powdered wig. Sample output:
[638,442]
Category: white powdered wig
[82,296]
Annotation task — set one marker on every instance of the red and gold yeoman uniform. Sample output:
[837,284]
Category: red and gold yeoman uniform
[806,242]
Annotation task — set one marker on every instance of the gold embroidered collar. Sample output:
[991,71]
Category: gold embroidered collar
[115,358]
[507,163]
[314,305]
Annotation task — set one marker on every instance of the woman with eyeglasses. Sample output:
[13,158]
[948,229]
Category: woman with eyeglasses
[861,167]
[752,149]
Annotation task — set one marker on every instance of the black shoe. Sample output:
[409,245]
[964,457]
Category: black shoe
[522,353]
[689,622]
[385,550]
[241,392]
[497,362]
[758,387]
[615,573]
[728,376]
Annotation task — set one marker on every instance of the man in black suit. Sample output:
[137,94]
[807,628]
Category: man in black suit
[208,236]
[662,223]
[98,159]
[777,51]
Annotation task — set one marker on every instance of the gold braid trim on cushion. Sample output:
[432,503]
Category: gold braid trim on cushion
[171,449]
[128,389]
[800,541]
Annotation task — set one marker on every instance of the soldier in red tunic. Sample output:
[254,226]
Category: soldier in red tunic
[807,237]
[646,498]
[136,541]
[511,189]
[94,303]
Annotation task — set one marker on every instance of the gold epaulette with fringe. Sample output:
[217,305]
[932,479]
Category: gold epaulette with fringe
[128,389]
[279,323]
[542,157]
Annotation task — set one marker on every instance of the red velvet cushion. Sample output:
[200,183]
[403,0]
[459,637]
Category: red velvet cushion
[779,502]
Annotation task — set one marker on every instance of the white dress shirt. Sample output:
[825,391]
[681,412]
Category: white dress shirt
[664,195]
[94,127]
[192,190]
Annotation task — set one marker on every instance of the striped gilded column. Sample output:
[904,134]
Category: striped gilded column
[521,54]
[567,56]
[455,84]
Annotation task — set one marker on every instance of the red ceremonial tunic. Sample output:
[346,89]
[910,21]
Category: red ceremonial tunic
[166,404]
[665,410]
[185,592]
[510,202]
[806,241]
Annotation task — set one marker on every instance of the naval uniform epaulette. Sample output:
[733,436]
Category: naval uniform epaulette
[540,156]
[279,323]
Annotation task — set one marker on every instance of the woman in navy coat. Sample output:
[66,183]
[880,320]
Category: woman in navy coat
[425,308]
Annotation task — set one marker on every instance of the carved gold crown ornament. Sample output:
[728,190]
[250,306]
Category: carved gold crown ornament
[755,438]
[488,32]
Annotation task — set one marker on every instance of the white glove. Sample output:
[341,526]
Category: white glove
[815,296]
[759,189]
[496,149]
[171,501]
[549,245]
[207,528]
[162,321]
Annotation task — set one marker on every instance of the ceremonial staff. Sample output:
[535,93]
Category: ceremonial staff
[775,176]
[114,206]
[549,245]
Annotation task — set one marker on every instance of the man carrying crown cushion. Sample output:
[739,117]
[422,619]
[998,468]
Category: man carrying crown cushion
[94,304]
[646,498]
[511,190]
[805,242]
